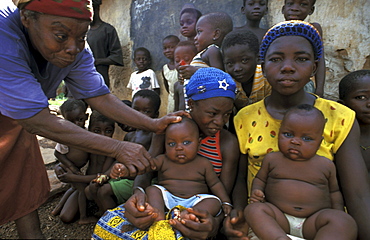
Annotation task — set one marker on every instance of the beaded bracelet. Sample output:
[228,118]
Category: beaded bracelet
[228,204]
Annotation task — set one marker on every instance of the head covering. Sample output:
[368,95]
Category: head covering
[80,9]
[292,28]
[210,82]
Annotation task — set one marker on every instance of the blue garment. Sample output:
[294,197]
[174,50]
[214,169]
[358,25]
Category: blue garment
[25,89]
[171,201]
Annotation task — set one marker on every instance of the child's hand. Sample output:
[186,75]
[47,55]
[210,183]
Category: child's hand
[226,208]
[75,170]
[100,179]
[257,196]
[118,170]
[187,71]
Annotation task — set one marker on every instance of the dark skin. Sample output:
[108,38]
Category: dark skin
[307,180]
[184,173]
[299,10]
[358,99]
[58,40]
[76,202]
[254,11]
[207,34]
[210,115]
[283,59]
[168,51]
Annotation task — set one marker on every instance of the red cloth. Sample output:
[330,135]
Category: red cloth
[81,9]
[24,184]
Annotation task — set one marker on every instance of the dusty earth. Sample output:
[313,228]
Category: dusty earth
[52,226]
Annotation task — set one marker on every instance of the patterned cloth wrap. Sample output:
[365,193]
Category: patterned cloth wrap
[114,225]
[292,28]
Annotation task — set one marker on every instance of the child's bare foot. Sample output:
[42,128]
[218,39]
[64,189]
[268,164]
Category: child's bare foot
[88,220]
[56,210]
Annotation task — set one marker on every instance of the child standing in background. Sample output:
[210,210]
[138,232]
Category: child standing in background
[117,191]
[211,30]
[144,77]
[296,191]
[185,51]
[169,71]
[354,92]
[254,11]
[299,10]
[189,16]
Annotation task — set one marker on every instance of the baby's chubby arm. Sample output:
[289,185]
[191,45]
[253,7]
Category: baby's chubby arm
[259,182]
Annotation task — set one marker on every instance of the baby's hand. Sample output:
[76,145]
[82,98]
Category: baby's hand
[226,208]
[118,170]
[257,196]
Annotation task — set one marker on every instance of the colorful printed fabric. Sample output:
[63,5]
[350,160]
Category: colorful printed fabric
[210,149]
[113,225]
[258,132]
[81,9]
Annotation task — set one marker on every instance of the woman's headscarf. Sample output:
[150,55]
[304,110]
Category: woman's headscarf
[80,9]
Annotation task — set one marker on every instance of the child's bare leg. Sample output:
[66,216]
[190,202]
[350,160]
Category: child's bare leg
[155,199]
[330,223]
[70,208]
[267,221]
[105,196]
[28,226]
[62,201]
[82,205]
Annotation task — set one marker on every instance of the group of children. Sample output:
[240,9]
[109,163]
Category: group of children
[276,195]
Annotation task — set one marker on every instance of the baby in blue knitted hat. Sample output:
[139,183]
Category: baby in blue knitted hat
[210,82]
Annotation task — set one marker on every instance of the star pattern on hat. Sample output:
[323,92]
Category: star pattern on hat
[223,84]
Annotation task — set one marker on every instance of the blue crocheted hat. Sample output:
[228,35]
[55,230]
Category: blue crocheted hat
[292,28]
[210,82]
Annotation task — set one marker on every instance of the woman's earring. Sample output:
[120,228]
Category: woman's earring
[214,39]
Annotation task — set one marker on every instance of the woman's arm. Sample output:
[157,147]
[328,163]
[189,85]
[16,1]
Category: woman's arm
[354,180]
[230,157]
[134,156]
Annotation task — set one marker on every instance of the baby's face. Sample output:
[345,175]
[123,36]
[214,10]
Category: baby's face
[300,136]
[359,99]
[182,142]
[77,116]
[183,53]
[205,34]
[240,62]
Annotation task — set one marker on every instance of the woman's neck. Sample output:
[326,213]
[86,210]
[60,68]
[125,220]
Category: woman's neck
[277,104]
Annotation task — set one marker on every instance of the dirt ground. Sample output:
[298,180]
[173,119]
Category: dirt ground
[52,226]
